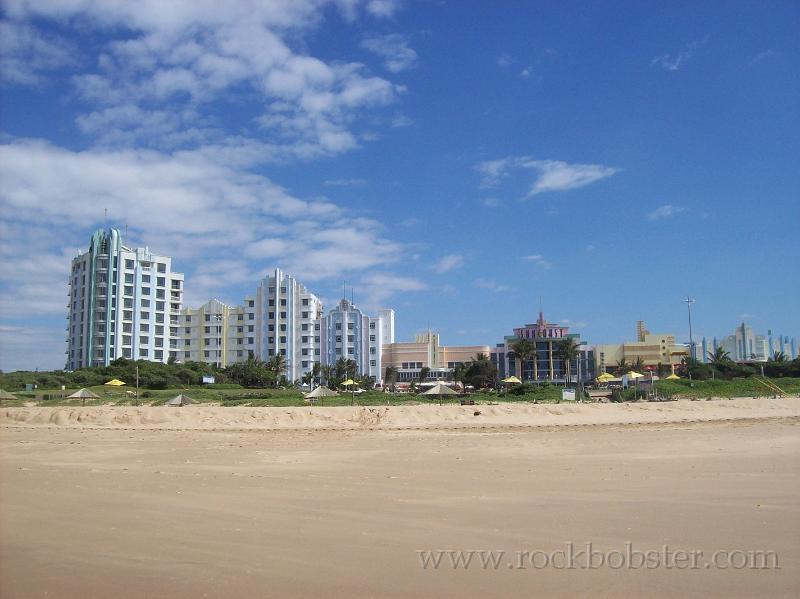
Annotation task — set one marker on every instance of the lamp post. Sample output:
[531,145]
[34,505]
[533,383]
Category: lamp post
[689,301]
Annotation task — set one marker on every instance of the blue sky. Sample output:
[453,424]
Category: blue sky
[455,161]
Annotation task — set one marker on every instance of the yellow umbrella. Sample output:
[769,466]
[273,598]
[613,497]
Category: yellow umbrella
[605,377]
[672,377]
[511,380]
[115,383]
[349,382]
[634,375]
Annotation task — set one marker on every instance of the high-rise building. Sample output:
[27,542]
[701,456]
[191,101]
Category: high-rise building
[283,318]
[123,303]
[548,365]
[346,332]
[744,345]
[214,333]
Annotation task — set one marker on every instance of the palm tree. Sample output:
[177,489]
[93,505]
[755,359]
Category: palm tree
[327,373]
[524,350]
[423,374]
[311,375]
[460,374]
[638,364]
[719,357]
[277,365]
[390,377]
[780,357]
[568,349]
[623,366]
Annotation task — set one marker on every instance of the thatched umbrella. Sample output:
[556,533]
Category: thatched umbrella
[180,401]
[6,395]
[83,395]
[319,393]
[440,390]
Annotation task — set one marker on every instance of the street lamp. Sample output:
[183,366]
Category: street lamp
[689,301]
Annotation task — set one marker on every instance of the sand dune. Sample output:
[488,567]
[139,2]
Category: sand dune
[398,417]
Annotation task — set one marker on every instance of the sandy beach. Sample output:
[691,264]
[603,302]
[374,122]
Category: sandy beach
[351,502]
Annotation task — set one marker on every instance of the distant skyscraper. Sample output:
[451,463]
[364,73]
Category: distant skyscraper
[123,303]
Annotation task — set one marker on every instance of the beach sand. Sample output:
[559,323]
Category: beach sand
[338,502]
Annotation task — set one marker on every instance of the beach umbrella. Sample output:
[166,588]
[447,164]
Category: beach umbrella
[321,391]
[439,390]
[115,383]
[180,401]
[83,395]
[348,382]
[634,375]
[605,377]
[672,377]
[6,395]
[511,380]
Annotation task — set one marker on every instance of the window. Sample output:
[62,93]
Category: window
[144,340]
[240,329]
[349,326]
[126,340]
[145,278]
[283,289]
[338,338]
[159,330]
[271,315]
[283,327]
[316,339]
[372,337]
[208,329]
[305,363]
[127,303]
[338,326]
[250,340]
[161,267]
[372,325]
[206,342]
[304,338]
[283,339]
[350,351]
[305,301]
[188,319]
[128,263]
[350,338]
[305,315]
[127,315]
[187,342]
[372,363]
[128,290]
[271,340]
[145,291]
[283,302]
[144,352]
[145,303]
[283,314]
[251,316]
[271,302]
[304,327]
[144,327]
[160,306]
[144,315]
[270,327]
[316,326]
[372,350]
[160,281]
[187,354]
[240,317]
[126,327]
[304,351]
[250,303]
[128,278]
[250,328]
[208,319]
[206,353]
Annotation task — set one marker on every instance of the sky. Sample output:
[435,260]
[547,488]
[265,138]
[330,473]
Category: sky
[460,162]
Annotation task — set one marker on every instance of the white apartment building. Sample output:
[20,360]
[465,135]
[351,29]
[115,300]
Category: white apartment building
[213,333]
[123,303]
[346,332]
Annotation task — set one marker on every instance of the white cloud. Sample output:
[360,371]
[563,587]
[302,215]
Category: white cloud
[492,285]
[378,287]
[170,202]
[25,53]
[526,73]
[491,202]
[394,49]
[401,120]
[448,263]
[666,211]
[539,261]
[383,8]
[552,175]
[504,60]
[673,62]
[357,182]
[161,65]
